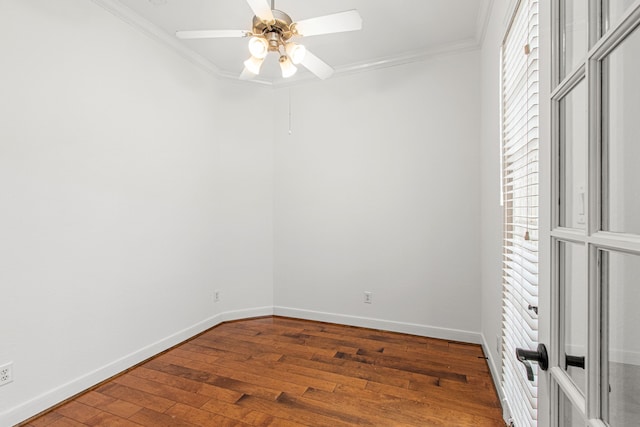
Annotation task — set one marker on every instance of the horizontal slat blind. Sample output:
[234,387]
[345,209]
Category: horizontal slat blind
[520,195]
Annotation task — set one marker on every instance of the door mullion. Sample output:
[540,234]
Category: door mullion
[594,215]
[597,328]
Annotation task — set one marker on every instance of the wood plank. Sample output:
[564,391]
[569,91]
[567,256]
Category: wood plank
[108,404]
[393,410]
[369,358]
[257,344]
[384,411]
[270,372]
[238,373]
[138,397]
[105,419]
[177,377]
[290,408]
[149,417]
[284,365]
[354,370]
[445,399]
[165,391]
[66,422]
[230,384]
[77,411]
[239,413]
[45,420]
[203,418]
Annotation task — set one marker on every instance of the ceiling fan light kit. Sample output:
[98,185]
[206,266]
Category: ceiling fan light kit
[287,67]
[253,65]
[259,47]
[296,52]
[272,30]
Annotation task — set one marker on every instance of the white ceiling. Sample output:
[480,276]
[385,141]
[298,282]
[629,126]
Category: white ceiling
[394,31]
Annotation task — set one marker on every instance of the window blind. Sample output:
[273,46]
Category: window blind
[520,196]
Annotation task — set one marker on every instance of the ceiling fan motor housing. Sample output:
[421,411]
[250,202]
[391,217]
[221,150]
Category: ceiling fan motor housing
[277,32]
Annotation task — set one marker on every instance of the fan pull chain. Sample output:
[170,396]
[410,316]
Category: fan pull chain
[290,131]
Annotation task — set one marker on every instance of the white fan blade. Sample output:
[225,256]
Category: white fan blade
[261,9]
[317,66]
[246,74]
[210,34]
[334,23]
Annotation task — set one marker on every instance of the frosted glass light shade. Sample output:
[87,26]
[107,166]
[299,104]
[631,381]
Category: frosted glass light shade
[258,47]
[254,64]
[296,52]
[288,69]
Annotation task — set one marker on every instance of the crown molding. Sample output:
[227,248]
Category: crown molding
[154,32]
[151,30]
[484,16]
[387,62]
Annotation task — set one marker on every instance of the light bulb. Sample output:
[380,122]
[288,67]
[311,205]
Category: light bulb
[296,52]
[288,69]
[258,47]
[253,64]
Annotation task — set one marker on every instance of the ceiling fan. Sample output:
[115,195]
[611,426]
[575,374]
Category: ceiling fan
[273,31]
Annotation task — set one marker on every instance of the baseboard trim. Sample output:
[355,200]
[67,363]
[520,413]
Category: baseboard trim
[59,394]
[387,325]
[626,357]
[495,375]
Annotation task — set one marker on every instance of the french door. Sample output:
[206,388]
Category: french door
[593,327]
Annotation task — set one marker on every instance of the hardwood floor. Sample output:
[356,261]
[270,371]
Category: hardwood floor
[278,371]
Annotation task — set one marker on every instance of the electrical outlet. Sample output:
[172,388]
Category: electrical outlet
[216,296]
[6,374]
[368,297]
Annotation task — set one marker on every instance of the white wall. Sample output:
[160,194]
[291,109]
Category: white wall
[130,189]
[377,189]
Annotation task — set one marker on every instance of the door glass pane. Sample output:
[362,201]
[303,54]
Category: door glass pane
[621,364]
[573,290]
[573,156]
[568,415]
[616,9]
[574,27]
[621,154]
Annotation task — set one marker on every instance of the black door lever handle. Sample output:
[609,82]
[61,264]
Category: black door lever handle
[527,356]
[577,361]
